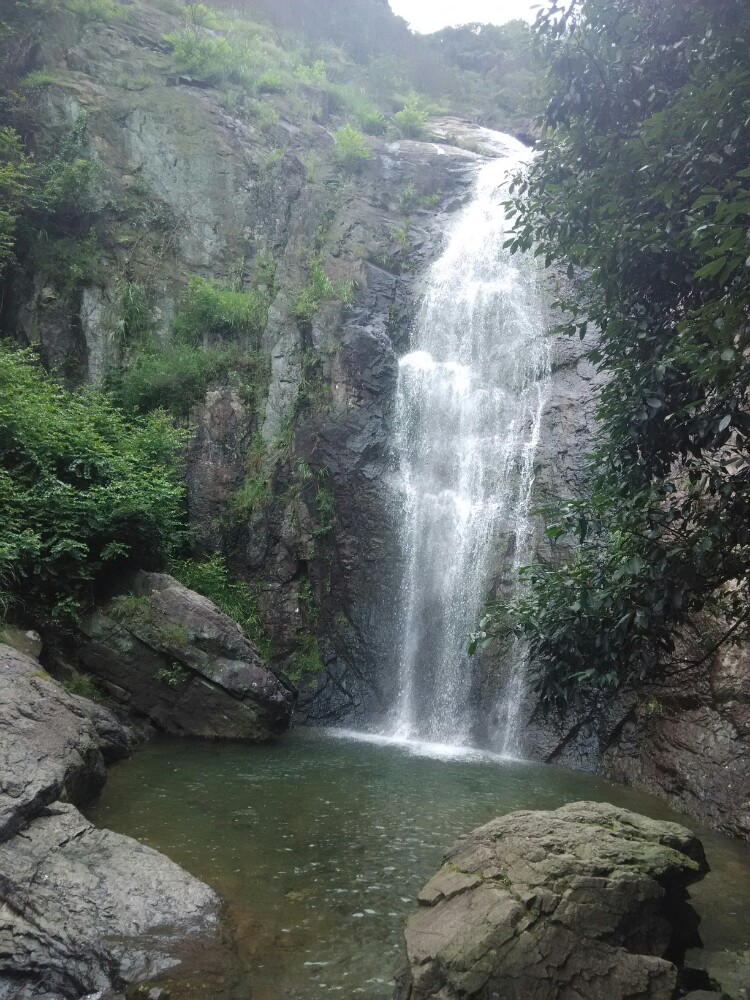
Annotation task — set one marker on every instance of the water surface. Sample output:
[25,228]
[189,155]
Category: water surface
[321,842]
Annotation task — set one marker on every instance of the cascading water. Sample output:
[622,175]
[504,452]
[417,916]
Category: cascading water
[469,406]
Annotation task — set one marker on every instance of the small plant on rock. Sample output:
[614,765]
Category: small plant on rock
[351,149]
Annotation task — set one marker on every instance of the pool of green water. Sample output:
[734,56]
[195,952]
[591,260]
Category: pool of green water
[319,844]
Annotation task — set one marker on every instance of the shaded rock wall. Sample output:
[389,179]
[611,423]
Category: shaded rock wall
[685,738]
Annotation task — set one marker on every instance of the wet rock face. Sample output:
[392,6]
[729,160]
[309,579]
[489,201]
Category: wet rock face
[81,909]
[585,902]
[170,657]
[685,737]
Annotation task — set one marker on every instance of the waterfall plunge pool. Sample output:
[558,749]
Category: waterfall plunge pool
[320,843]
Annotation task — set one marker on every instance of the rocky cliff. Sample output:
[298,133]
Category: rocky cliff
[290,448]
[289,455]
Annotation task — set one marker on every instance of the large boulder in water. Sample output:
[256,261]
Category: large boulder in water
[87,910]
[583,903]
[169,656]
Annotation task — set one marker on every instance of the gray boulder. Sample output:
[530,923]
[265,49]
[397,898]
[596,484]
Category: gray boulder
[87,910]
[81,909]
[52,744]
[170,656]
[582,903]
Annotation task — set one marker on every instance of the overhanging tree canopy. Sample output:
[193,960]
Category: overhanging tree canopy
[641,189]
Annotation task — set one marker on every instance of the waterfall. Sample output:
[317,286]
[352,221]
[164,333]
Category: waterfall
[468,414]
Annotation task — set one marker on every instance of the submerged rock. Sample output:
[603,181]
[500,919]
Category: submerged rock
[81,909]
[582,903]
[170,656]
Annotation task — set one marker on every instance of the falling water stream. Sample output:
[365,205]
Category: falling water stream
[468,415]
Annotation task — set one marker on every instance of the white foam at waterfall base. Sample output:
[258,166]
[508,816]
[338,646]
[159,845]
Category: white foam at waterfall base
[422,748]
[469,403]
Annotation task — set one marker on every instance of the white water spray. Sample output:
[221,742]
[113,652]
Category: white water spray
[469,406]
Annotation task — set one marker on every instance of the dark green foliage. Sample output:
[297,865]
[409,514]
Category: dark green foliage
[350,148]
[172,378]
[411,121]
[642,188]
[325,504]
[47,209]
[307,661]
[175,376]
[254,493]
[496,68]
[83,490]
[319,289]
[56,221]
[135,323]
[235,598]
[83,685]
[214,308]
[15,181]
[209,58]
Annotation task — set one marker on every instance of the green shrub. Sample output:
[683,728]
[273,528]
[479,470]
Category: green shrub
[126,607]
[319,289]
[171,378]
[211,307]
[135,322]
[254,493]
[15,184]
[207,57]
[59,225]
[312,76]
[411,121]
[324,501]
[201,16]
[373,122]
[83,489]
[82,685]
[308,660]
[97,10]
[264,113]
[235,598]
[351,147]
[39,78]
[173,674]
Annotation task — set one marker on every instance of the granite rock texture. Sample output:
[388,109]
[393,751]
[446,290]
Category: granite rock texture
[582,903]
[169,657]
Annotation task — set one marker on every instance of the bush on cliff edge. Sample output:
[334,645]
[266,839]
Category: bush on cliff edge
[83,488]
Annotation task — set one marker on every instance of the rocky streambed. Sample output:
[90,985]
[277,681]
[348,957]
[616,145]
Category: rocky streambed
[83,909]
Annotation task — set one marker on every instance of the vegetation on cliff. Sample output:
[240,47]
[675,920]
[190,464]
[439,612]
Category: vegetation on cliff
[641,188]
[85,492]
